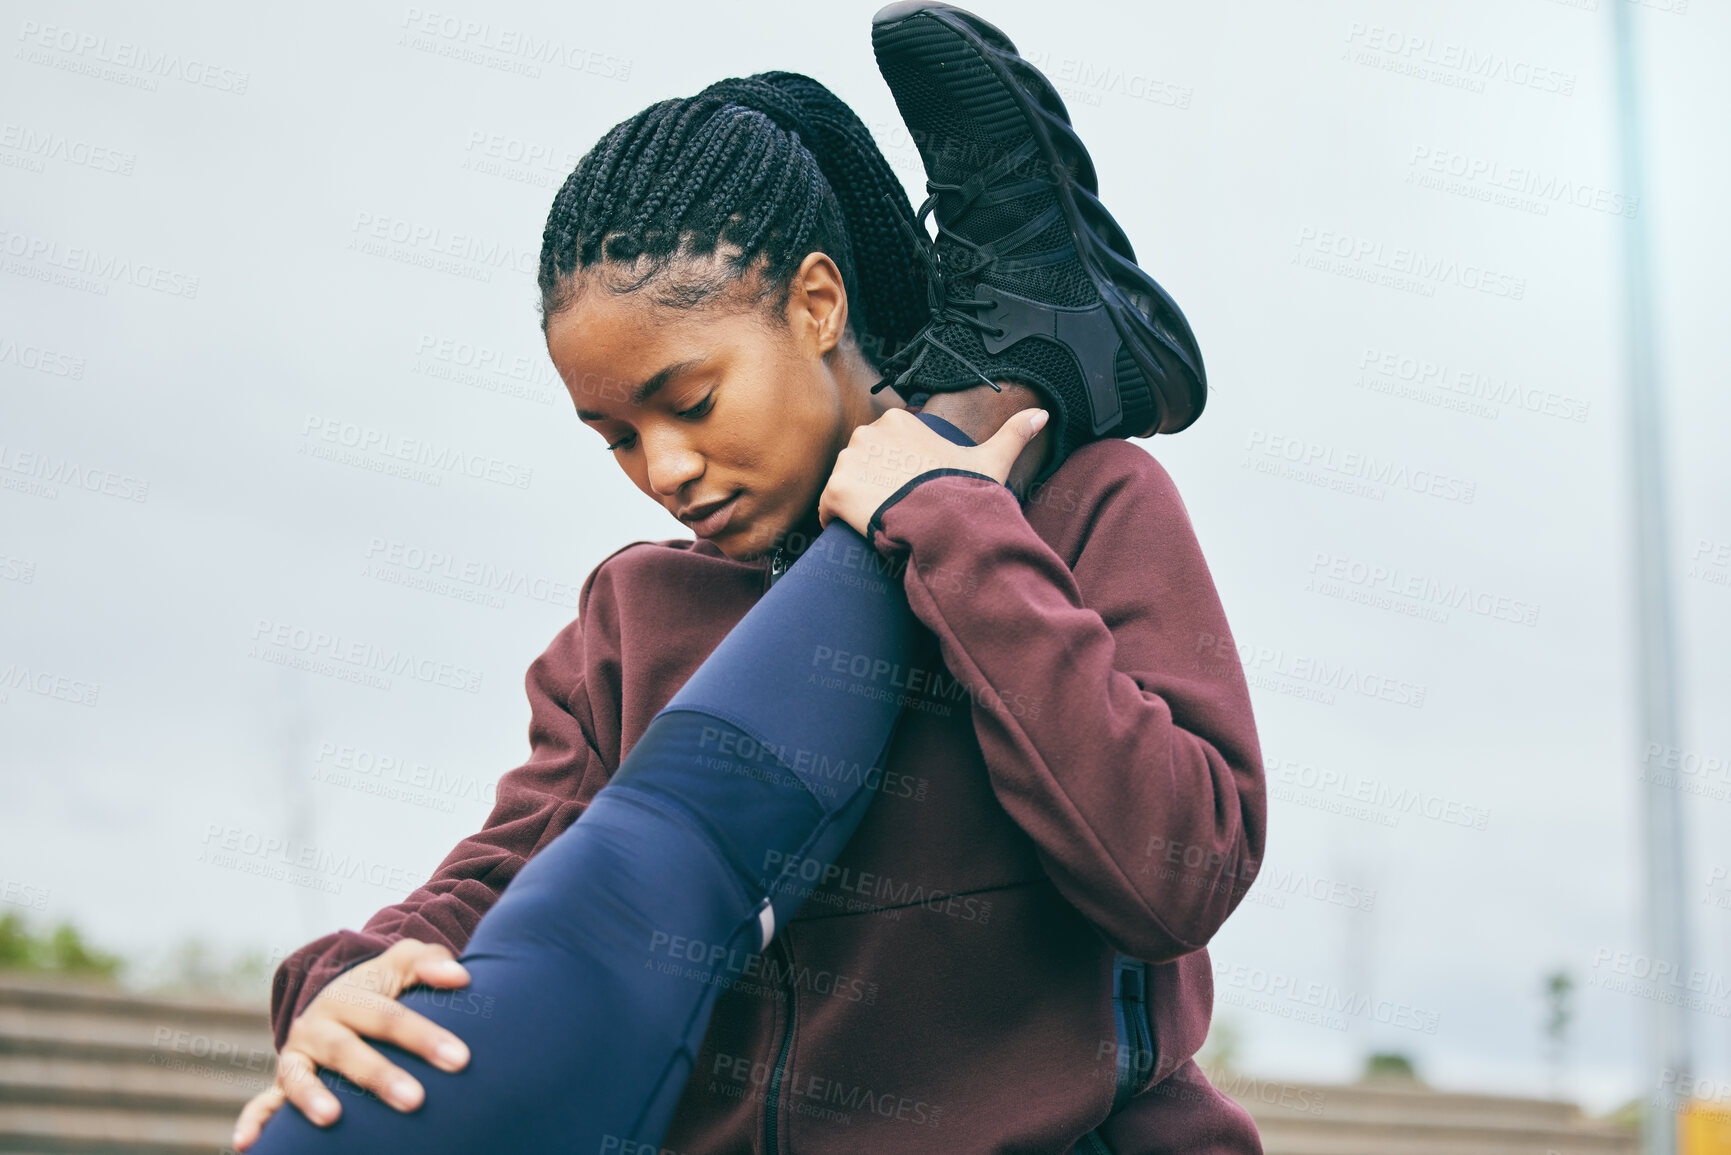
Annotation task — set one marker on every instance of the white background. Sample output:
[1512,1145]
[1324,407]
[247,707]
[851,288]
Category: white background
[1232,140]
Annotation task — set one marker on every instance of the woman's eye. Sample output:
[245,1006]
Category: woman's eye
[695,411]
[700,408]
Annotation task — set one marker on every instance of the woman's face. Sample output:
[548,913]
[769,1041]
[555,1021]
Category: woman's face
[728,415]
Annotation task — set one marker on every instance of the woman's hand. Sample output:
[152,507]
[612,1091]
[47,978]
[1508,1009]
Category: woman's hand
[361,1001]
[882,457]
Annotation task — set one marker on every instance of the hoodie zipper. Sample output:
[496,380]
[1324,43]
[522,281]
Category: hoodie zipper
[772,1094]
[1135,1038]
[777,567]
[1095,1145]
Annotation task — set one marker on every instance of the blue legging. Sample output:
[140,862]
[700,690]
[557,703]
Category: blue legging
[593,977]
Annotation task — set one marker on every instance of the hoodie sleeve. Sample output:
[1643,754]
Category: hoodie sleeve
[533,804]
[1108,698]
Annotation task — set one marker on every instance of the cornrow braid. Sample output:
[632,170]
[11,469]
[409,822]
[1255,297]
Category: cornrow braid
[763,170]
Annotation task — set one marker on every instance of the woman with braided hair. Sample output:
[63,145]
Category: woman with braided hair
[839,827]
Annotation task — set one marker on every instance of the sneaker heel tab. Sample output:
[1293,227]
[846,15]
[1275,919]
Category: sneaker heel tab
[901,10]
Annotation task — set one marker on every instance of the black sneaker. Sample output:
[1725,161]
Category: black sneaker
[1032,281]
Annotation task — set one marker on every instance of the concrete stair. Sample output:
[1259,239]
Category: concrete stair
[89,1070]
[1402,1118]
[96,1071]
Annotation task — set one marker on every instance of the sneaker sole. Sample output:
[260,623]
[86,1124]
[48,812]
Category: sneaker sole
[1150,325]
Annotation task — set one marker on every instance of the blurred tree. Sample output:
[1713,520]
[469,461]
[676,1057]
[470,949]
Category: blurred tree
[190,967]
[67,952]
[1389,1065]
[15,942]
[61,950]
[1559,1013]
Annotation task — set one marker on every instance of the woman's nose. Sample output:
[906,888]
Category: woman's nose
[671,462]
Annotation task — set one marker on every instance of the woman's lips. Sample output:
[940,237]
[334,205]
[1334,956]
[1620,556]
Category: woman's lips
[716,521]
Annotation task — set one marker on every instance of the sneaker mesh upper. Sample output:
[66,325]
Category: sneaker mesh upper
[964,119]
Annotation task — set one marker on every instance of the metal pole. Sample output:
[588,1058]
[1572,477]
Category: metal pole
[1666,934]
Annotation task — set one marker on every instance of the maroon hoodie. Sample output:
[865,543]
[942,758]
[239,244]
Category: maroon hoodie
[1078,774]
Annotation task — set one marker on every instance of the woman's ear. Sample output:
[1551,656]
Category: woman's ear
[817,303]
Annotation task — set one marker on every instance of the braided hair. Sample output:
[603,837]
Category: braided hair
[753,172]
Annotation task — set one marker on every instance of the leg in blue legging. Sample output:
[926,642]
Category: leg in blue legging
[593,977]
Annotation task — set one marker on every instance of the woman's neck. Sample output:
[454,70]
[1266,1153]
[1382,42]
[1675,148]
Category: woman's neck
[860,406]
[857,379]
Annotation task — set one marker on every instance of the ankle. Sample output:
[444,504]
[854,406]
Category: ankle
[980,412]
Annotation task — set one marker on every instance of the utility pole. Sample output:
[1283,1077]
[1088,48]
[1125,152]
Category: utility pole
[1665,931]
[300,806]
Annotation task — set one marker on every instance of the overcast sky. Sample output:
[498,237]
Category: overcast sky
[229,234]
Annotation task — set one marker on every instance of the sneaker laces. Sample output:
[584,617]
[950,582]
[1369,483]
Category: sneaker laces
[943,296]
[947,304]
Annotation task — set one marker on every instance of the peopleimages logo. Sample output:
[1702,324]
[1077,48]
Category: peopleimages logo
[493,370]
[39,473]
[1473,384]
[399,779]
[38,145]
[350,443]
[729,966]
[1493,175]
[303,864]
[1216,652]
[1661,980]
[515,159]
[818,770]
[47,684]
[23,894]
[1363,471]
[502,47]
[1320,1003]
[1376,801]
[88,269]
[923,688]
[438,571]
[40,359]
[282,642]
[1086,80]
[1459,65]
[1706,776]
[1367,259]
[789,869]
[1282,882]
[122,61]
[1332,574]
[434,247]
[826,1098]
